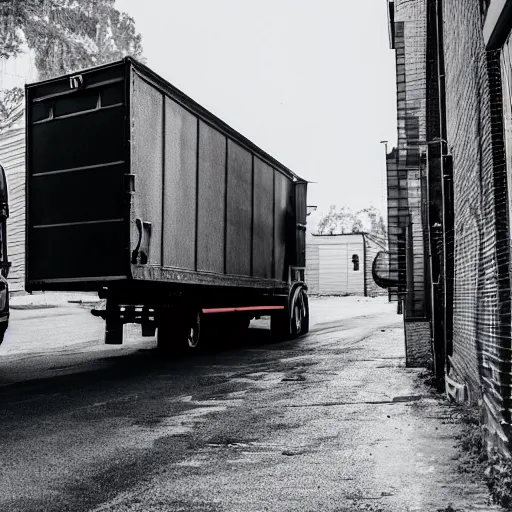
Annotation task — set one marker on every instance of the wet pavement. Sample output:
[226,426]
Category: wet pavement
[332,421]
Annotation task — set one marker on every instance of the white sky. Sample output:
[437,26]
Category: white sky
[312,82]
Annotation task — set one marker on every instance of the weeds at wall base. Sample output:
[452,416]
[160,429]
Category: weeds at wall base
[474,461]
[499,479]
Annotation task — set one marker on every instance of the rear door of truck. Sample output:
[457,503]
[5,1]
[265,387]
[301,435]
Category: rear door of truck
[77,160]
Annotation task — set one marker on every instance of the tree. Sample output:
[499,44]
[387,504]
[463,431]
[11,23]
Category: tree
[328,222]
[343,220]
[377,225]
[66,35]
[9,100]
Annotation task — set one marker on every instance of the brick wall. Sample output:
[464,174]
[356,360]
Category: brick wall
[473,134]
[417,354]
[406,216]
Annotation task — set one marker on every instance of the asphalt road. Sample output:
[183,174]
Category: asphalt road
[331,421]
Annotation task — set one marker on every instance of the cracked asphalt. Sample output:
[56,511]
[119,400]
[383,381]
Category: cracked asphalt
[330,422]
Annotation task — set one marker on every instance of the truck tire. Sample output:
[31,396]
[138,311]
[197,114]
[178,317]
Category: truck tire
[280,326]
[195,332]
[305,325]
[300,314]
[182,333]
[165,341]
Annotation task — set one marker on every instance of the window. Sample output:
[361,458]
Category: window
[355,261]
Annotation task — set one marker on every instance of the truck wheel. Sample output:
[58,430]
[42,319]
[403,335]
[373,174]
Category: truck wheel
[300,315]
[305,324]
[195,331]
[164,338]
[280,326]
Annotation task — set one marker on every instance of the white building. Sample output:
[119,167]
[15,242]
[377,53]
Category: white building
[342,264]
[15,73]
[12,159]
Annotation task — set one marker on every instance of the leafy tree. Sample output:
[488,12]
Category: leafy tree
[9,100]
[377,224]
[328,222]
[65,35]
[343,220]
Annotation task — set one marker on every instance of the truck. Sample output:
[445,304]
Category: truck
[4,261]
[176,220]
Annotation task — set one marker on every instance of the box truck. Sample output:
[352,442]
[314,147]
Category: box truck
[179,222]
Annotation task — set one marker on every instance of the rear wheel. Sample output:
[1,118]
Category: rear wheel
[178,332]
[294,322]
[280,325]
[194,331]
[166,337]
[305,324]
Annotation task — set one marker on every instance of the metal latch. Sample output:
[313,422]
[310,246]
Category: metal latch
[76,82]
[129,183]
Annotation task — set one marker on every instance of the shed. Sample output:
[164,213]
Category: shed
[342,264]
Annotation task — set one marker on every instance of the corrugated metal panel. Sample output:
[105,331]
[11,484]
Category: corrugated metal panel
[147,157]
[333,269]
[239,210]
[211,200]
[263,222]
[312,268]
[12,157]
[180,187]
[283,201]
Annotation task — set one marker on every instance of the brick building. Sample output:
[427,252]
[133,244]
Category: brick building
[465,194]
[406,171]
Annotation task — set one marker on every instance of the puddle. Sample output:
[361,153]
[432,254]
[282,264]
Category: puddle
[144,437]
[407,398]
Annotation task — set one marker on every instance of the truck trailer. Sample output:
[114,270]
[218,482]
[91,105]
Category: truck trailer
[136,192]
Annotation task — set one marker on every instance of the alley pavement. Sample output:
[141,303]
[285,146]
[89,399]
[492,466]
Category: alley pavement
[330,422]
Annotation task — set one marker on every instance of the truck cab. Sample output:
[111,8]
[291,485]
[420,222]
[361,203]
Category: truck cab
[4,262]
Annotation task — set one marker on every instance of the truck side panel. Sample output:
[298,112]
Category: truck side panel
[75,175]
[147,147]
[211,200]
[222,210]
[239,211]
[180,187]
[263,235]
[283,212]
